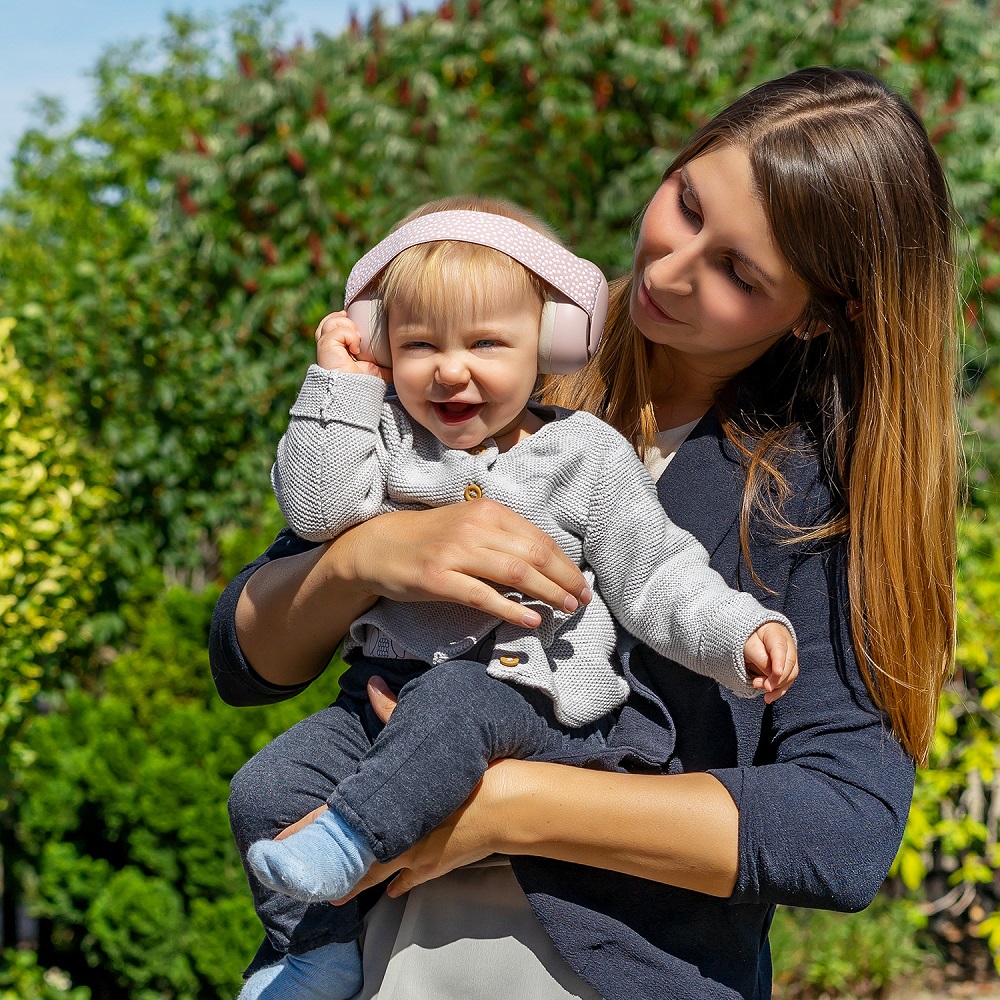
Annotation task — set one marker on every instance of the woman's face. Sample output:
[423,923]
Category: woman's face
[709,283]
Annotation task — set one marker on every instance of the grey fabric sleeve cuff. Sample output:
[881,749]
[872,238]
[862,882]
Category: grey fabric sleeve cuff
[728,634]
[352,399]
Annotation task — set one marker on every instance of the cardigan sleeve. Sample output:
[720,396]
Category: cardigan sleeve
[656,578]
[332,464]
[823,809]
[235,679]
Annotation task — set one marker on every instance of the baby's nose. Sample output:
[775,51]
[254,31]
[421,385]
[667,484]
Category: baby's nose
[452,371]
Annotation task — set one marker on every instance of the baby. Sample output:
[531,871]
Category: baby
[461,307]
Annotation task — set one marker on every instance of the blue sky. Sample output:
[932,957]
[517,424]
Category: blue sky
[47,46]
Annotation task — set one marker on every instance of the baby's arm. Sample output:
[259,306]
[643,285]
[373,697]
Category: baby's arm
[330,470]
[656,579]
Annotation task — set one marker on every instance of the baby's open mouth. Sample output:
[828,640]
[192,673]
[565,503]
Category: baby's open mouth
[455,413]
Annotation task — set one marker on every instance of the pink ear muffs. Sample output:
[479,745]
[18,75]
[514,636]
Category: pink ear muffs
[574,311]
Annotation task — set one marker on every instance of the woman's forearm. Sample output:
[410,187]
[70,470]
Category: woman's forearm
[294,611]
[682,830]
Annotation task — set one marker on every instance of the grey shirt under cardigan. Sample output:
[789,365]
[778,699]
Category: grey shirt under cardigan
[822,787]
[351,452]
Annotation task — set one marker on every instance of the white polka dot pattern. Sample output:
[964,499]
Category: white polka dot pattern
[578,279]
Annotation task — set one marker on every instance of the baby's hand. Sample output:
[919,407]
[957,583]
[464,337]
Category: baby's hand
[338,342]
[771,658]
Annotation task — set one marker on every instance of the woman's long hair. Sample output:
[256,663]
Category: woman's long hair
[859,207]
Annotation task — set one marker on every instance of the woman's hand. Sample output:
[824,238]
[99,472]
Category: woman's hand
[464,837]
[294,611]
[681,830]
[447,553]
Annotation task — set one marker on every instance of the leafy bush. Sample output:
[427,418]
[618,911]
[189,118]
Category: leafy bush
[122,823]
[52,488]
[822,954]
[21,978]
[950,851]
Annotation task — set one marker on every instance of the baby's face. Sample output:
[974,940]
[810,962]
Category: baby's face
[469,379]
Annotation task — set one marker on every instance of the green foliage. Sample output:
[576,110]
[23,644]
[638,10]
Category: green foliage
[822,954]
[21,978]
[950,850]
[121,820]
[51,492]
[166,262]
[201,222]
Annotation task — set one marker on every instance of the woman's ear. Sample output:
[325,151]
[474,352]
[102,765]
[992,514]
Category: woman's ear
[810,329]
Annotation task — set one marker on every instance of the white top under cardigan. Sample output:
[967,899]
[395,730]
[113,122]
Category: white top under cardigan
[351,453]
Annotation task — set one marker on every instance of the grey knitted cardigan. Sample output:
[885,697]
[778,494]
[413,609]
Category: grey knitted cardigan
[350,454]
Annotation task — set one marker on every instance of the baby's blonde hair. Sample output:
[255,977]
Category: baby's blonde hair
[437,280]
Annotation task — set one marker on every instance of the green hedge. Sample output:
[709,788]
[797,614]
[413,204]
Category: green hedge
[121,822]
[162,266]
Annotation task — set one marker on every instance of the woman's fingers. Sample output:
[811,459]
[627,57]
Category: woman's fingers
[383,701]
[454,553]
[470,834]
[298,824]
[375,875]
[488,541]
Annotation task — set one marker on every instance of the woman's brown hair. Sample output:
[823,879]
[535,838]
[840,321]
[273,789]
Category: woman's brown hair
[858,205]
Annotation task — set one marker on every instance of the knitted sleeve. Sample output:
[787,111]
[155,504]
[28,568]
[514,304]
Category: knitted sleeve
[657,581]
[330,472]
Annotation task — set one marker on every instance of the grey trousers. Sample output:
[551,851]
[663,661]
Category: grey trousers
[394,783]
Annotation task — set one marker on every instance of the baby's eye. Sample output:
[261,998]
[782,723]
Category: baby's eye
[485,344]
[416,345]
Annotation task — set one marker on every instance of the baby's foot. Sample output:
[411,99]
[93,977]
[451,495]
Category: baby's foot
[330,972]
[324,860]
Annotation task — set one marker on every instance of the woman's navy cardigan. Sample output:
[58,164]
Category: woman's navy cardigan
[822,786]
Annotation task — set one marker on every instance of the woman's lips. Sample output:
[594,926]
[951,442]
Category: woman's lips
[658,314]
[456,413]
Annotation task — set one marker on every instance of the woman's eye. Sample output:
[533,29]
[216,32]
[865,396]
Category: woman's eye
[686,209]
[744,286]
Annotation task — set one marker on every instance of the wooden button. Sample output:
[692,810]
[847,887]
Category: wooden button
[473,492]
[478,450]
[510,661]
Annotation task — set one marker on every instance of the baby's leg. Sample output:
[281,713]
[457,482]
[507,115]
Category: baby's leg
[312,950]
[451,722]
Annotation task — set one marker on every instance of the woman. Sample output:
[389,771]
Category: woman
[792,298]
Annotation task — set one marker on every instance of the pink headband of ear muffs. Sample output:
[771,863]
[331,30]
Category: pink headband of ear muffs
[572,317]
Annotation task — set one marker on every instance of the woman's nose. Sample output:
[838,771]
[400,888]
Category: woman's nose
[673,272]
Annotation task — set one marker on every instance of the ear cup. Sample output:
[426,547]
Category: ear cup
[568,335]
[368,315]
[563,336]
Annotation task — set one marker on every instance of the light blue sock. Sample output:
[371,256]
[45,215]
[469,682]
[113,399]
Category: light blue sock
[324,860]
[330,972]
